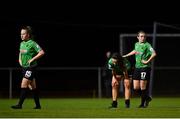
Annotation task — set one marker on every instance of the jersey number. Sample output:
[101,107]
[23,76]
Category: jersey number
[28,74]
[143,75]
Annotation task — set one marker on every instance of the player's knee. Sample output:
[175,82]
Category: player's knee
[136,87]
[115,85]
[127,84]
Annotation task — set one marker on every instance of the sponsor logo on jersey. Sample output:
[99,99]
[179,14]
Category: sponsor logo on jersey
[23,51]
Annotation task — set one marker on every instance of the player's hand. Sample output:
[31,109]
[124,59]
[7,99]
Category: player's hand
[124,56]
[144,61]
[115,82]
[30,61]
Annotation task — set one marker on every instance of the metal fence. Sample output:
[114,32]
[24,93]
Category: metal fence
[56,79]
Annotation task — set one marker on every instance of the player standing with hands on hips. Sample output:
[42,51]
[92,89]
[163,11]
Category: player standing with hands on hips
[29,53]
[144,54]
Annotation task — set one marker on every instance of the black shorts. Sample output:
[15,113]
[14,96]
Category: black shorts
[142,73]
[130,73]
[29,73]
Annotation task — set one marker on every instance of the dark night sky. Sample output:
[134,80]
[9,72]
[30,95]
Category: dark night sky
[78,35]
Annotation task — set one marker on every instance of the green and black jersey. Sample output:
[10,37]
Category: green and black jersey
[28,49]
[144,51]
[117,68]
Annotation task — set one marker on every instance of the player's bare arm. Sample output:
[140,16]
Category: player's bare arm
[129,54]
[20,62]
[40,54]
[150,58]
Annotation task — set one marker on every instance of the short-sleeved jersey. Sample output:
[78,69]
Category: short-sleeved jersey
[28,49]
[117,68]
[144,51]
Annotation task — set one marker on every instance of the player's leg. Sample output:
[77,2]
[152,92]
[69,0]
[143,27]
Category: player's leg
[35,94]
[143,84]
[24,90]
[137,76]
[115,91]
[137,90]
[127,93]
[136,82]
[148,97]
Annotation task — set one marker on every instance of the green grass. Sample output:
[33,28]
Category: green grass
[91,108]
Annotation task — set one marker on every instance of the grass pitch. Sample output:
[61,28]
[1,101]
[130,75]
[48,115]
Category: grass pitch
[165,107]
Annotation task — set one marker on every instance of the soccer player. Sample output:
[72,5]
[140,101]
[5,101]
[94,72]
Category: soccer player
[119,67]
[29,53]
[144,54]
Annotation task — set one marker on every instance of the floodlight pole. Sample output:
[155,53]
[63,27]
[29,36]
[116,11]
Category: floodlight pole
[99,83]
[152,65]
[10,83]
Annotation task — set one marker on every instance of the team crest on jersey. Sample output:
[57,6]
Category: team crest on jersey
[37,46]
[151,49]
